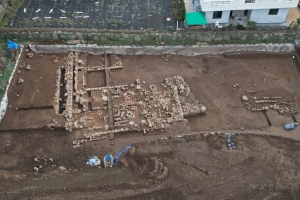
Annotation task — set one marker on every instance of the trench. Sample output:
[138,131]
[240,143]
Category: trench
[267,118]
[37,108]
[22,130]
[294,118]
[62,92]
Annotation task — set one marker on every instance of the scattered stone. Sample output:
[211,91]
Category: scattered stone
[20,80]
[166,57]
[62,168]
[29,55]
[244,98]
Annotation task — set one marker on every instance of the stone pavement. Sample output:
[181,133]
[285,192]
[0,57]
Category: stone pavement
[293,14]
[192,50]
[189,7]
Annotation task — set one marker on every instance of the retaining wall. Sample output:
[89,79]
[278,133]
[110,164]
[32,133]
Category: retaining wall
[146,37]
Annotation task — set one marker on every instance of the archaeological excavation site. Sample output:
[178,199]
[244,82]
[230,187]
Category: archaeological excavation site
[85,99]
[150,115]
[100,96]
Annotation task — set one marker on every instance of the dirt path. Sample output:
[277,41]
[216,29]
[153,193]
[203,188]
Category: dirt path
[192,167]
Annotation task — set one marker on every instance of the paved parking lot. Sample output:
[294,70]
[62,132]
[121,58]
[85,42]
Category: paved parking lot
[100,14]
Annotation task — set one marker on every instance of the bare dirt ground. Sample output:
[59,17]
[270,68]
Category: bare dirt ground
[192,167]
[210,78]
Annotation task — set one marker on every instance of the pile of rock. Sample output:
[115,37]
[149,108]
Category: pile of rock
[58,85]
[28,67]
[40,162]
[29,55]
[188,102]
[166,57]
[20,80]
[69,70]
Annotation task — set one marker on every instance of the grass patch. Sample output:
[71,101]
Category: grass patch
[10,13]
[3,45]
[117,172]
[88,179]
[5,75]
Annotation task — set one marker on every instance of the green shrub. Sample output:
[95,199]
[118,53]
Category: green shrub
[296,26]
[240,27]
[252,24]
[113,23]
[181,4]
[181,16]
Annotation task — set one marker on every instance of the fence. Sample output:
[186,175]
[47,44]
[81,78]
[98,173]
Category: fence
[4,84]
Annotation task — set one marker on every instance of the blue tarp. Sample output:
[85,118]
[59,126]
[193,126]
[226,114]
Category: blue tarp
[11,45]
[93,161]
[108,157]
[120,153]
[290,126]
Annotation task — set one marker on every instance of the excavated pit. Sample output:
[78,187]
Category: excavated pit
[62,86]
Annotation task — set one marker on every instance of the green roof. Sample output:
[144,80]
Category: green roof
[195,18]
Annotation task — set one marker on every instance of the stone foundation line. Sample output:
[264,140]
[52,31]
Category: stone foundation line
[158,50]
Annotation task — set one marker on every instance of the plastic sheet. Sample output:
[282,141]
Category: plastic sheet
[290,126]
[120,153]
[93,161]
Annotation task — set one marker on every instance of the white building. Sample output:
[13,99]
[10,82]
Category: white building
[260,11]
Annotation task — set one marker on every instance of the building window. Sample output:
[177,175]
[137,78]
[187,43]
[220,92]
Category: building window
[273,11]
[217,15]
[220,3]
[245,12]
[252,1]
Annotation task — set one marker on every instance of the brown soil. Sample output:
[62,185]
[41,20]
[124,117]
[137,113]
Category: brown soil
[95,79]
[192,167]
